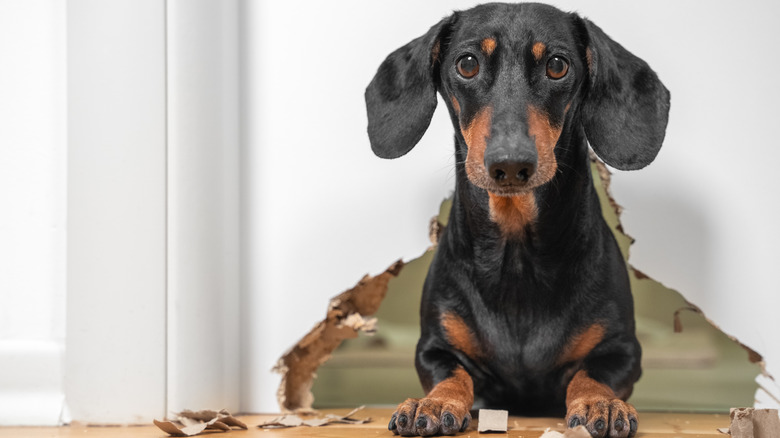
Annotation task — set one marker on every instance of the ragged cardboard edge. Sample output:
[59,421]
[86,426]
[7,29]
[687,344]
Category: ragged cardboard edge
[606,179]
[194,423]
[293,420]
[347,314]
[753,423]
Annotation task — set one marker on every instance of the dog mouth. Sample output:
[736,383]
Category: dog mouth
[509,189]
[480,178]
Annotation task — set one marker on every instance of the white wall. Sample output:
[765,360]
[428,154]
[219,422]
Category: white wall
[32,199]
[322,210]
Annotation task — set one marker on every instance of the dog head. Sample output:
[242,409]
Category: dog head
[514,77]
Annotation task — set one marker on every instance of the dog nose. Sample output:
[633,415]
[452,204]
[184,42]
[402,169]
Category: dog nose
[511,172]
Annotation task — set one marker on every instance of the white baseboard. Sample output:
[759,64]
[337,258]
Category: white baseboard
[31,390]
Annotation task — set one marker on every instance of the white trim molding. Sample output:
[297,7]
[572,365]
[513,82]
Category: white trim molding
[31,383]
[203,205]
[116,258]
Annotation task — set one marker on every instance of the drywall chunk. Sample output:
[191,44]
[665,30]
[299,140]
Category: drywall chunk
[345,317]
[754,423]
[293,421]
[491,420]
[766,423]
[741,423]
[194,423]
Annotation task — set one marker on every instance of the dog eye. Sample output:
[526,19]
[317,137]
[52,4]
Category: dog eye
[468,66]
[557,67]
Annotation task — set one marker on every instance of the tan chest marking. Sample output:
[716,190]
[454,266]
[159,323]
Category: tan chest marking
[459,335]
[581,344]
[513,214]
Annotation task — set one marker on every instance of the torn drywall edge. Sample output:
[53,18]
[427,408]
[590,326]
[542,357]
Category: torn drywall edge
[767,392]
[767,395]
[606,178]
[347,314]
[753,356]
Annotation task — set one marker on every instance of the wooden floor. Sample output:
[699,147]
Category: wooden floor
[650,425]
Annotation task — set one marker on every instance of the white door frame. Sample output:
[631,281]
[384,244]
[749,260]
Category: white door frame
[203,205]
[116,308]
[153,170]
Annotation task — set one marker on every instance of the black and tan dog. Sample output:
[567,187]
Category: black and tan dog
[527,305]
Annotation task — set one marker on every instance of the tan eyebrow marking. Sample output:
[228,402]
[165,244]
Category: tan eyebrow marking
[488,46]
[538,50]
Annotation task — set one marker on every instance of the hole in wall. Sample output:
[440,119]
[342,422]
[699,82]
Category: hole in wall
[688,363]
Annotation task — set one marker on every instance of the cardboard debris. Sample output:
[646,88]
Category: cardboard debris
[577,432]
[347,314]
[492,420]
[293,420]
[766,423]
[741,423]
[435,228]
[194,423]
[753,423]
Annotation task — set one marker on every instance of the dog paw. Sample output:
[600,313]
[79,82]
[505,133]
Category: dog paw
[429,416]
[603,417]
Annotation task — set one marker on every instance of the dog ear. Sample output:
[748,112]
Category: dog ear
[401,98]
[626,108]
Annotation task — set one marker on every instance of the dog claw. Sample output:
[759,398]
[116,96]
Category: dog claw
[392,425]
[449,424]
[466,422]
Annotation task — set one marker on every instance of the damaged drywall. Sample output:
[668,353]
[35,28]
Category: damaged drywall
[292,420]
[695,354]
[753,423]
[348,314]
[671,360]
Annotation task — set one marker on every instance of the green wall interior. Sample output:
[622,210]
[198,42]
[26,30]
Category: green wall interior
[700,369]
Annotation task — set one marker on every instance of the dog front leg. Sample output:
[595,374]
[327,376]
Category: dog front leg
[443,411]
[595,406]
